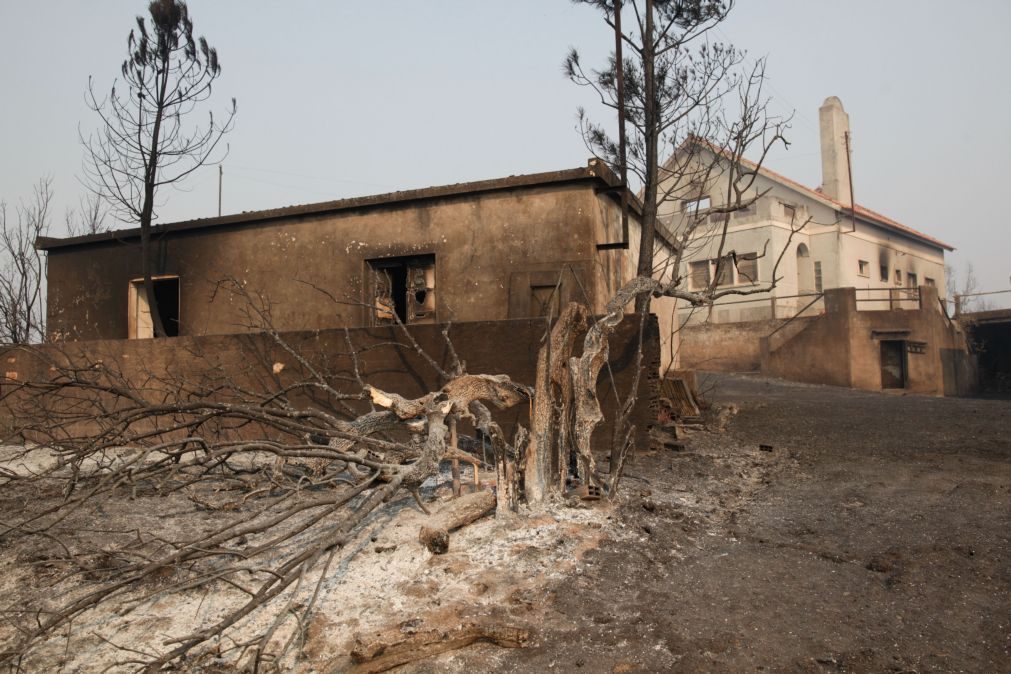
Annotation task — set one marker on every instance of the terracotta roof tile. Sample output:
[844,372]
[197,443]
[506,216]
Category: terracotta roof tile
[862,211]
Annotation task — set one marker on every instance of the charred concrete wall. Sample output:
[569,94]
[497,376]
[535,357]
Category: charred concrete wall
[493,249]
[725,347]
[385,359]
[817,354]
[843,347]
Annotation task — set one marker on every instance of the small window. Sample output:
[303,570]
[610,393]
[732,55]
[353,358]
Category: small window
[544,301]
[790,212]
[403,288]
[912,280]
[898,277]
[166,296]
[747,268]
[696,205]
[864,267]
[700,274]
[884,273]
[817,276]
[930,282]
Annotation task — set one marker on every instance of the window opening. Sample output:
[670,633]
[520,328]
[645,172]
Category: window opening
[403,288]
[884,273]
[817,277]
[864,267]
[725,271]
[166,295]
[747,268]
[700,274]
[696,205]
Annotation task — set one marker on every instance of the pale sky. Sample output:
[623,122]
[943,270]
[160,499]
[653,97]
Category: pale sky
[339,99]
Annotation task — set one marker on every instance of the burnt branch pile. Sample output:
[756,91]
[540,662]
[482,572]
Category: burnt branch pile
[285,468]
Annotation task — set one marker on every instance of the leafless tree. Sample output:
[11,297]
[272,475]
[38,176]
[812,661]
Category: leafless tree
[89,216]
[682,95]
[145,140]
[962,289]
[23,268]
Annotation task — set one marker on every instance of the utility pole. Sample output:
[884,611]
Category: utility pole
[221,175]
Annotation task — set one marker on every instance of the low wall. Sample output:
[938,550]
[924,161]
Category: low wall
[819,353]
[843,347]
[384,359]
[725,347]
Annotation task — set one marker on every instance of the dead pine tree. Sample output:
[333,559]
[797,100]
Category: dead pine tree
[145,140]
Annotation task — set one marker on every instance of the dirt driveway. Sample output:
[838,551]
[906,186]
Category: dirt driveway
[873,537]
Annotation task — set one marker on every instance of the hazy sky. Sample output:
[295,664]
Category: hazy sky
[340,98]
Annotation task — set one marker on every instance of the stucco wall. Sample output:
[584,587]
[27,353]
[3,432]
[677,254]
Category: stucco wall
[829,235]
[843,347]
[725,347]
[480,242]
[386,360]
[817,354]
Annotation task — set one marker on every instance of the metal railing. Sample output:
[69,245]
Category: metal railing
[882,299]
[959,299]
[780,306]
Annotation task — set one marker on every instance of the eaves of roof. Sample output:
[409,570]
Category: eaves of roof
[594,172]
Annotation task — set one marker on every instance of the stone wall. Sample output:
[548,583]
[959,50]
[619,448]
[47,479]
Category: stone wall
[725,347]
[385,359]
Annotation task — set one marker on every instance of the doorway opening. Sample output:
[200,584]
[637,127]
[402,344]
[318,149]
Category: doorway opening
[894,366]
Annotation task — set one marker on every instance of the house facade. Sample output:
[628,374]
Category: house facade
[515,247]
[813,239]
[839,294]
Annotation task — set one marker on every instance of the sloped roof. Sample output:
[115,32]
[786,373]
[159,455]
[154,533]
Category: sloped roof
[861,211]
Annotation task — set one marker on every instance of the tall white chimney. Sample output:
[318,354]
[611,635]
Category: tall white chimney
[835,169]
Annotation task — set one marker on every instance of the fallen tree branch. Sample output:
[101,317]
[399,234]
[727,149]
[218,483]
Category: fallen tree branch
[434,534]
[395,647]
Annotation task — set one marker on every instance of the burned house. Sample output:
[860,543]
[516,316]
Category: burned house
[515,247]
[492,257]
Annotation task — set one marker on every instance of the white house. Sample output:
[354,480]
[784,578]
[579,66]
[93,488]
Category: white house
[839,245]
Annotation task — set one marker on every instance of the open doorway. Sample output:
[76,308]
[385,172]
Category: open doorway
[166,294]
[893,363]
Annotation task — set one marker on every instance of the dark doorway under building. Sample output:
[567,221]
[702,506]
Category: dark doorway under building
[893,363]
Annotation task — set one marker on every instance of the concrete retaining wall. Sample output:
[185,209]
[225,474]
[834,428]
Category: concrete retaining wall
[385,359]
